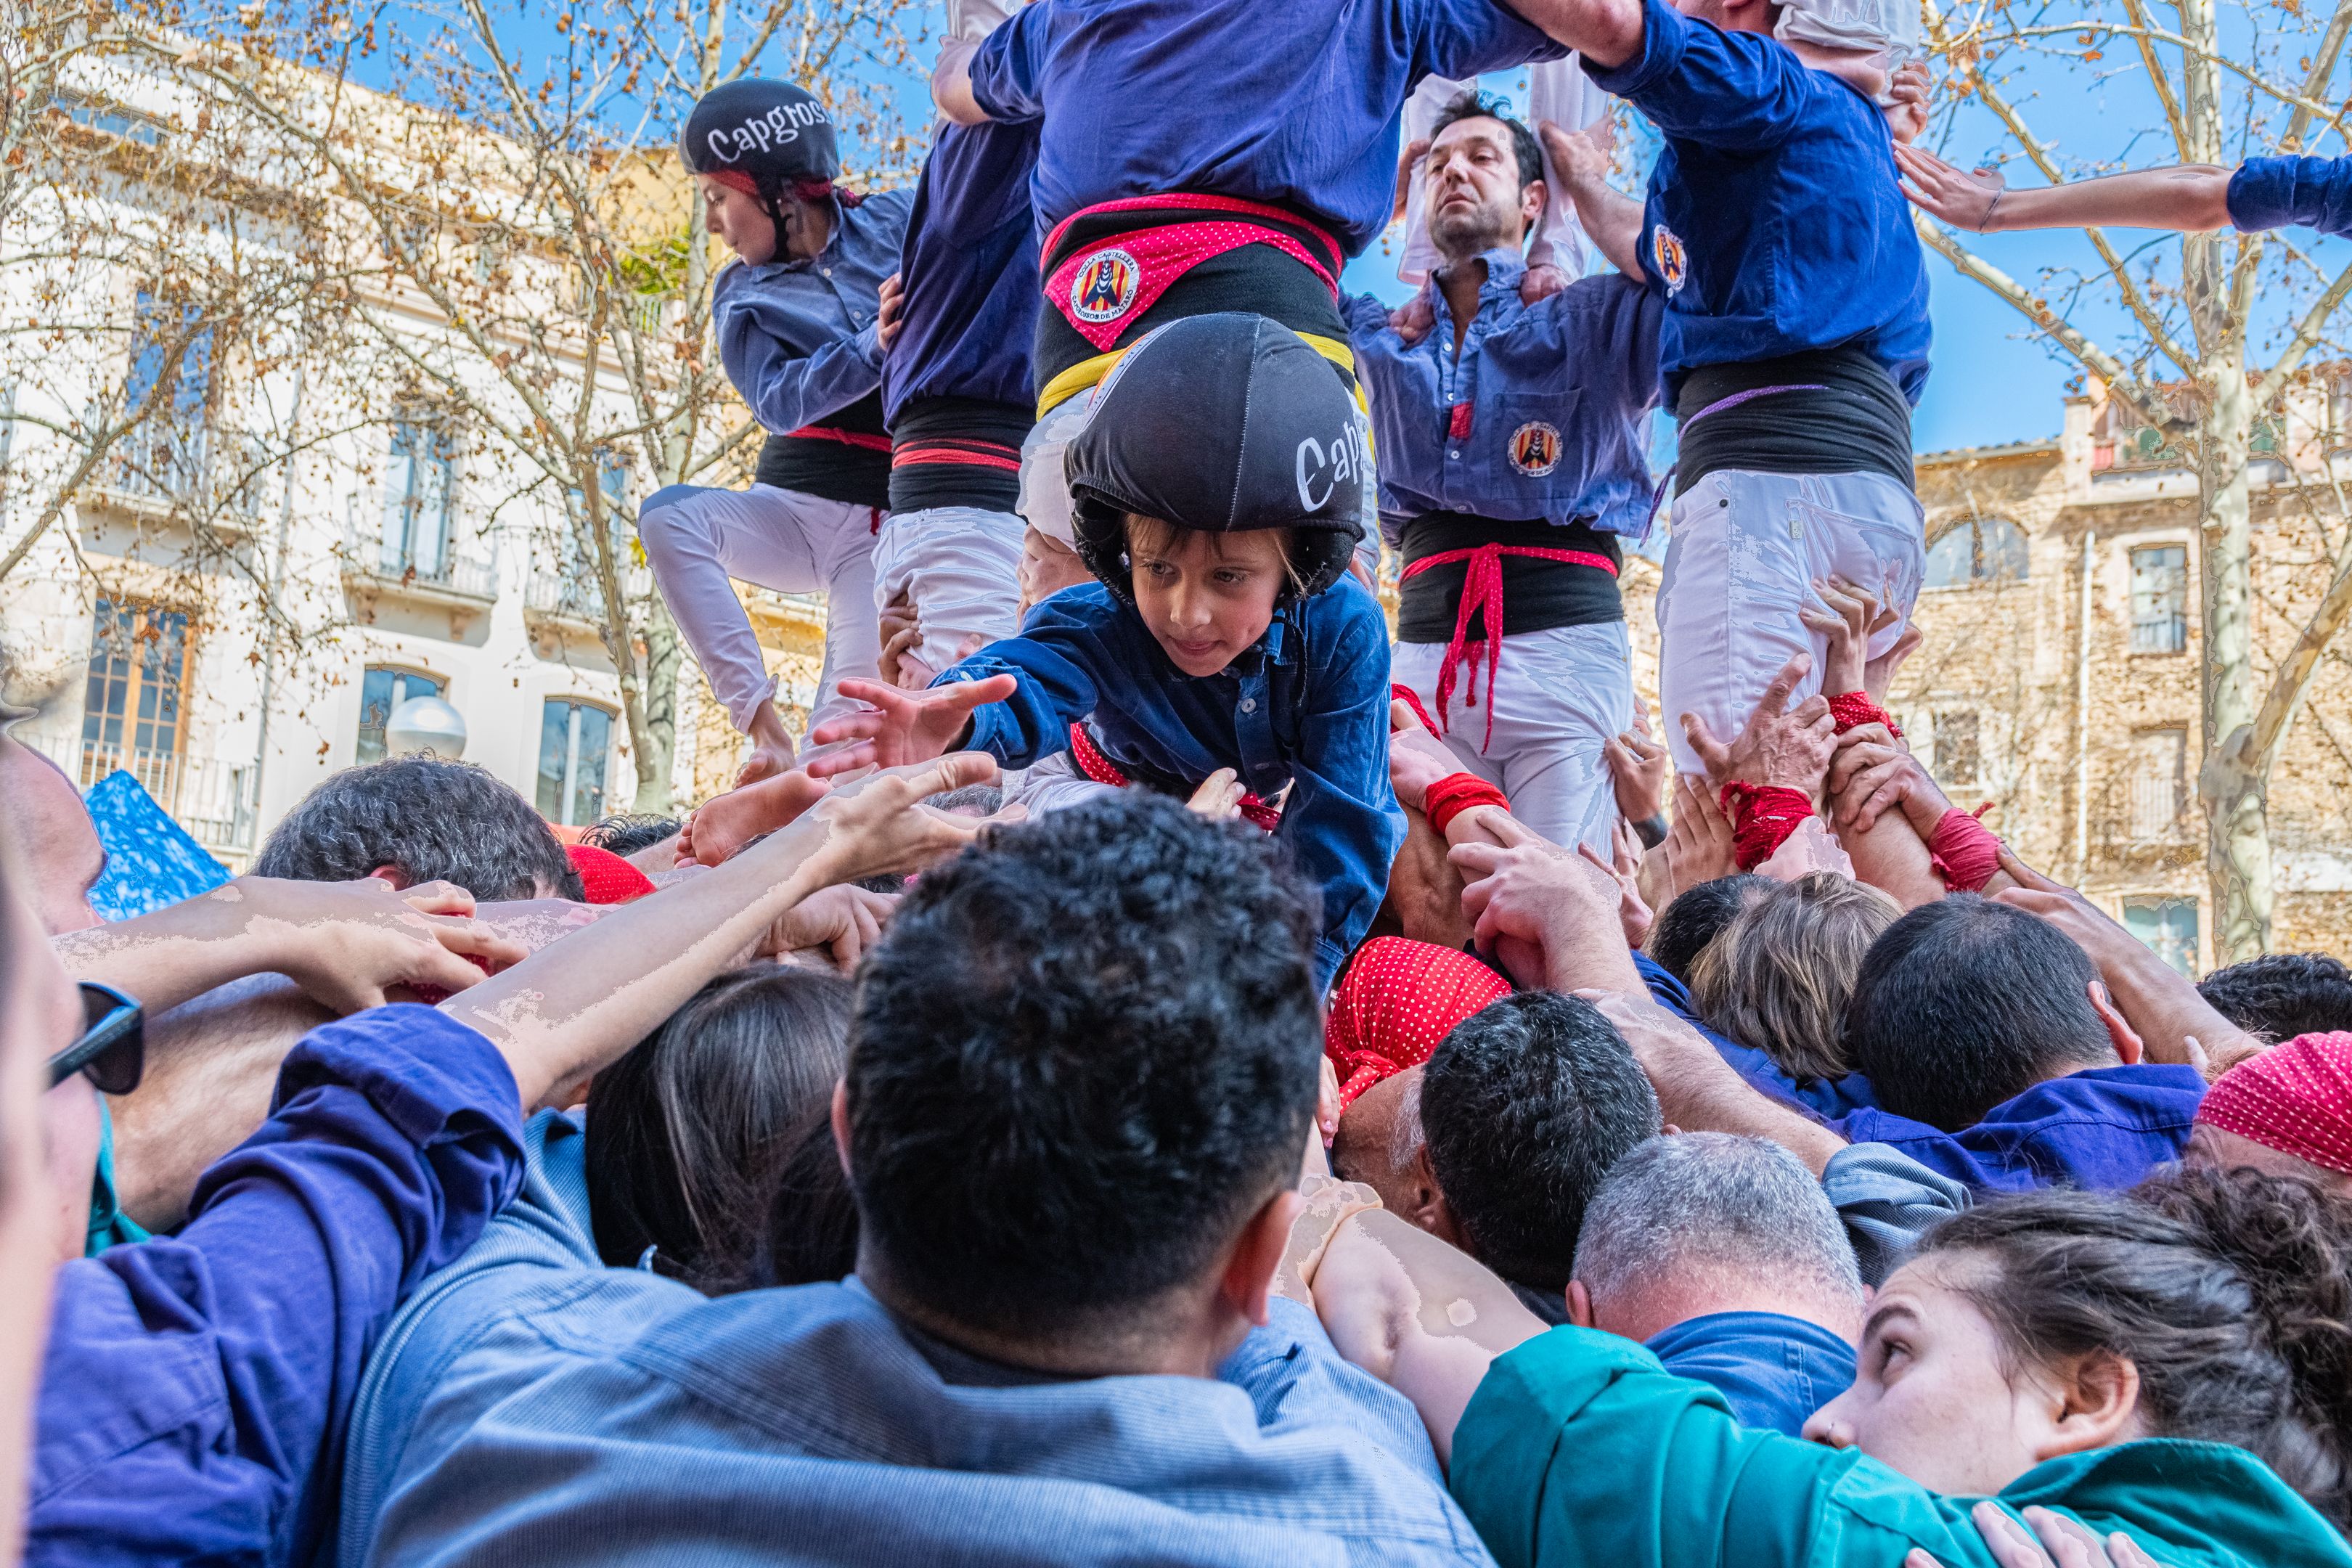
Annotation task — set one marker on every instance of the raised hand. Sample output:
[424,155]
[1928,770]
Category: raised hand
[1698,844]
[902,727]
[1878,673]
[842,922]
[1413,319]
[1847,617]
[1417,759]
[1413,153]
[1638,766]
[1872,771]
[1907,103]
[1580,158]
[1779,746]
[1624,867]
[349,944]
[880,826]
[1963,199]
[891,312]
[1541,281]
[2054,1541]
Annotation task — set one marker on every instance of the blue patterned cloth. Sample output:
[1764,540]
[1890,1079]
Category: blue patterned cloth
[150,861]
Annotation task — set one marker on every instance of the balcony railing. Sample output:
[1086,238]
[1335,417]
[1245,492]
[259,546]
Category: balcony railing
[571,591]
[366,554]
[201,468]
[213,800]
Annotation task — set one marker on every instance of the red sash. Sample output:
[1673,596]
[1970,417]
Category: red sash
[1107,284]
[1482,589]
[1102,770]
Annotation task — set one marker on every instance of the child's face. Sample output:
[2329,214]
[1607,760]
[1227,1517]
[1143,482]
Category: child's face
[738,220]
[1206,596]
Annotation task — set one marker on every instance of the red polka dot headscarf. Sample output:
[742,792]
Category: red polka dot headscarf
[2294,1098]
[1399,999]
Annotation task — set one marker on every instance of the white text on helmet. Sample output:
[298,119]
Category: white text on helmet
[779,125]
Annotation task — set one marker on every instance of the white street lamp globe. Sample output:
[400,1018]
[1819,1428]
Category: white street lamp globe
[425,724]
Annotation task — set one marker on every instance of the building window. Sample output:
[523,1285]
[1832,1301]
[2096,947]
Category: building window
[420,493]
[134,712]
[161,457]
[2159,599]
[2169,926]
[2159,784]
[113,119]
[381,691]
[1980,549]
[573,738]
[1959,762]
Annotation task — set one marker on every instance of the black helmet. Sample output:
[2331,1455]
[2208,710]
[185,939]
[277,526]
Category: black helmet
[777,136]
[1228,423]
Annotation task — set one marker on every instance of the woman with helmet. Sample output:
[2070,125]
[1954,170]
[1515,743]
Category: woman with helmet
[803,316]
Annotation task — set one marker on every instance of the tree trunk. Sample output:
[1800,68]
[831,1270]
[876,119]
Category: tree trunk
[658,755]
[2231,784]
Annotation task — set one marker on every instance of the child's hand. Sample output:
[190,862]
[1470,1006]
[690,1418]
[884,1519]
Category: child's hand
[1219,798]
[904,726]
[1850,617]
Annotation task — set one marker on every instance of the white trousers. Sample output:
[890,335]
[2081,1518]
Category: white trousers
[1744,551]
[961,565]
[1559,697]
[697,539]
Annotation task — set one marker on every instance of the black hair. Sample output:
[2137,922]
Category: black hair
[2229,1292]
[1965,1003]
[1472,104]
[1084,1055]
[2281,996]
[624,832]
[685,1132]
[1525,1105]
[434,820]
[1696,916]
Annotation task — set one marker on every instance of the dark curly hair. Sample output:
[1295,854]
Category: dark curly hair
[2230,1292]
[1527,1104]
[1083,1054]
[624,833]
[2283,994]
[1472,104]
[434,820]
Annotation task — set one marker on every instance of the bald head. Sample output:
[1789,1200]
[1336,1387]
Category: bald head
[57,846]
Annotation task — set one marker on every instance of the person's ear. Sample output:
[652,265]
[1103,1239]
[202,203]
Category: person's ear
[1580,1304]
[1430,1212]
[1531,206]
[2095,1402]
[1248,1282]
[2130,1048]
[841,1122]
[392,873]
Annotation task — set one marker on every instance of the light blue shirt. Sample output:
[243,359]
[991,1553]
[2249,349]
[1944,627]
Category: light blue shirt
[797,337]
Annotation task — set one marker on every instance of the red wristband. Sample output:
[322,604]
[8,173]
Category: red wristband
[1964,851]
[1762,817]
[1853,709]
[1454,793]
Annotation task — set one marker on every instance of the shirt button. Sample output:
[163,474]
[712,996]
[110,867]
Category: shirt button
[1456,454]
[1249,704]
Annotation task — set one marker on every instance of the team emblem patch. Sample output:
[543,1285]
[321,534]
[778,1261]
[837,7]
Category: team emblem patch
[1535,449]
[1105,287]
[1674,261]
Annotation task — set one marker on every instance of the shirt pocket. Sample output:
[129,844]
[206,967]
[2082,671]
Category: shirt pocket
[1528,448]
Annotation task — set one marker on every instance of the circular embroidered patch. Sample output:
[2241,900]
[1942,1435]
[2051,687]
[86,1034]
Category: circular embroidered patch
[1535,449]
[1104,286]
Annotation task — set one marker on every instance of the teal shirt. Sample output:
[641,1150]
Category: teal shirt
[1579,1449]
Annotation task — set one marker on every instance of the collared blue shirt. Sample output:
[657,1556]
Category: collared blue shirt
[533,1408]
[970,269]
[1293,102]
[1774,221]
[196,1387]
[1773,1370]
[1306,707]
[1820,1097]
[2271,193]
[2101,1128]
[797,337]
[1558,394]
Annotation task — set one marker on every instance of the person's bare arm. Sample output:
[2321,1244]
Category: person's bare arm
[562,1014]
[1549,916]
[345,944]
[2191,198]
[952,83]
[1698,1092]
[1872,771]
[1608,33]
[1609,219]
[1421,1316]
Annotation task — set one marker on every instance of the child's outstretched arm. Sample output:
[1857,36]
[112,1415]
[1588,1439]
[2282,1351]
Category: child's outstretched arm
[2192,198]
[902,727]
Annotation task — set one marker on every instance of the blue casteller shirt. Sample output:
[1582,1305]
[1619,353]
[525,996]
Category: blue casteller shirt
[797,337]
[1582,362]
[970,270]
[196,1387]
[1773,1370]
[1307,706]
[1293,102]
[532,1406]
[2271,193]
[2102,1128]
[1774,221]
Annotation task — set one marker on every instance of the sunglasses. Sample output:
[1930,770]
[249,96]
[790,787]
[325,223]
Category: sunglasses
[112,1049]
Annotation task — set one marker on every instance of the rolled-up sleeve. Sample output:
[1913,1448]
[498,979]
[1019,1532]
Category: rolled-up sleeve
[196,1387]
[2273,193]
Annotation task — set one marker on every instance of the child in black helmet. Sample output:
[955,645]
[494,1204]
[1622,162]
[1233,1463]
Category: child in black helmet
[1216,487]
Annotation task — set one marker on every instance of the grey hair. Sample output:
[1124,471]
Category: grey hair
[1713,1199]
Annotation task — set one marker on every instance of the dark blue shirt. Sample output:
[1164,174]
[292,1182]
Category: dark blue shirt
[1774,221]
[1306,706]
[1578,370]
[196,1388]
[2271,193]
[1821,1097]
[1294,102]
[1774,1371]
[797,337]
[2102,1128]
[970,270]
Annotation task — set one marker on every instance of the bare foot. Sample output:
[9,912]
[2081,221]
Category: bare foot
[726,823]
